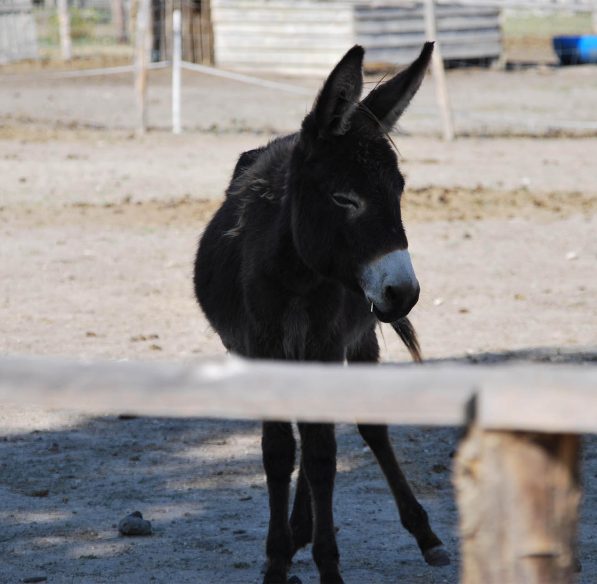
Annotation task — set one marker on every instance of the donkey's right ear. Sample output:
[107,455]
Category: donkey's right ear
[339,96]
[388,101]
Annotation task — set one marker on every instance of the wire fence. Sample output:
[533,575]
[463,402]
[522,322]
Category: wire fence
[102,41]
[31,29]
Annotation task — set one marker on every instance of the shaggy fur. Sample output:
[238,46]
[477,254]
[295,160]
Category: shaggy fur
[278,275]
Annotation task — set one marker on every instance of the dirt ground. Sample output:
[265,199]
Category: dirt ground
[543,100]
[98,233]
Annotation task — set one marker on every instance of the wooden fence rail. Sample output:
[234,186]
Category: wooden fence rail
[547,398]
[516,471]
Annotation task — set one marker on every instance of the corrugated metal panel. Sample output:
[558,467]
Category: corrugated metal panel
[284,37]
[330,12]
[309,36]
[404,25]
[394,34]
[18,36]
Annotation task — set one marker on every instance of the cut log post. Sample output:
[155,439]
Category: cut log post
[518,495]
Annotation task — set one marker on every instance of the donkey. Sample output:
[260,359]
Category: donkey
[304,257]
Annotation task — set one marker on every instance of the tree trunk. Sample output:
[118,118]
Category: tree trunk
[119,21]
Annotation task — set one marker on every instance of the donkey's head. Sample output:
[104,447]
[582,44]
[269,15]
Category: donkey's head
[345,186]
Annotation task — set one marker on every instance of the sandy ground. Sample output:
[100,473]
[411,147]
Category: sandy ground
[98,233]
[537,101]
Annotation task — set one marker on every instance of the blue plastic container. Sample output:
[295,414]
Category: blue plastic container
[576,50]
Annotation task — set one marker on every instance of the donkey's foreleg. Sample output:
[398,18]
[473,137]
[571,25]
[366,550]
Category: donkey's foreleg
[318,444]
[278,446]
[412,515]
[301,518]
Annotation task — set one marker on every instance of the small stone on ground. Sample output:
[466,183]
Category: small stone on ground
[134,524]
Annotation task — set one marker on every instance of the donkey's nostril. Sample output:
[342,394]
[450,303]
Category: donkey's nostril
[392,294]
[401,298]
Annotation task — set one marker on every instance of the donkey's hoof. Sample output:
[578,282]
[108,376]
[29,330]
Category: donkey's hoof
[437,556]
[331,578]
[274,578]
[294,580]
[275,575]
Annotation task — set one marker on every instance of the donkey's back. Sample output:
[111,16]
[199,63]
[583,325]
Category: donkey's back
[254,194]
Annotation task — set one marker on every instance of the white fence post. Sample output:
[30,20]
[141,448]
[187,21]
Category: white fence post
[176,66]
[439,74]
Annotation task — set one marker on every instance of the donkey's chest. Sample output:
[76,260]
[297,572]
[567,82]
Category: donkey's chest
[299,314]
[314,325]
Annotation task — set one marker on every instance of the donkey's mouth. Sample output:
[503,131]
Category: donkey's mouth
[394,313]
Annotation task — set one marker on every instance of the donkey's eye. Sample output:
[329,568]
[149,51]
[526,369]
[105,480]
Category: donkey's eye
[347,201]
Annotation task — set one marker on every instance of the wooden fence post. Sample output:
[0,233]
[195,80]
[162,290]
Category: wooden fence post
[64,30]
[518,495]
[176,59]
[439,74]
[142,49]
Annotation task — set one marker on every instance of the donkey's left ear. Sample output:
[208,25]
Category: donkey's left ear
[339,96]
[388,101]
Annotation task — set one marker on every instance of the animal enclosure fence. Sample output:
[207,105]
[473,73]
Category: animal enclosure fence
[516,471]
[106,36]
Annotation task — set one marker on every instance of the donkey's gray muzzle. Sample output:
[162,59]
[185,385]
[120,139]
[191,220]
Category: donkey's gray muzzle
[389,282]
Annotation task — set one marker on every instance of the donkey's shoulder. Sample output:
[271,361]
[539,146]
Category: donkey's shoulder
[245,161]
[259,176]
[260,166]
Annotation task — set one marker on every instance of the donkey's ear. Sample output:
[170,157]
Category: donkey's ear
[388,101]
[339,96]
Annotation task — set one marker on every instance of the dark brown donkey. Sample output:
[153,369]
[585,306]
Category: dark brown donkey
[306,254]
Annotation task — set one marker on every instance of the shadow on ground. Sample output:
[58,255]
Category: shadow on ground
[200,482]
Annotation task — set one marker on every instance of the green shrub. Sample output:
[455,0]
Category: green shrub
[83,22]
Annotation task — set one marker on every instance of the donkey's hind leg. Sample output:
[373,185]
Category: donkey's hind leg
[301,518]
[278,447]
[412,515]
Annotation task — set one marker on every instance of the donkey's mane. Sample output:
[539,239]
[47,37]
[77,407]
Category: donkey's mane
[260,174]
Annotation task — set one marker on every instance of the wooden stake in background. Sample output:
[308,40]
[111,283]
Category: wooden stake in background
[439,74]
[64,29]
[142,49]
[176,61]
